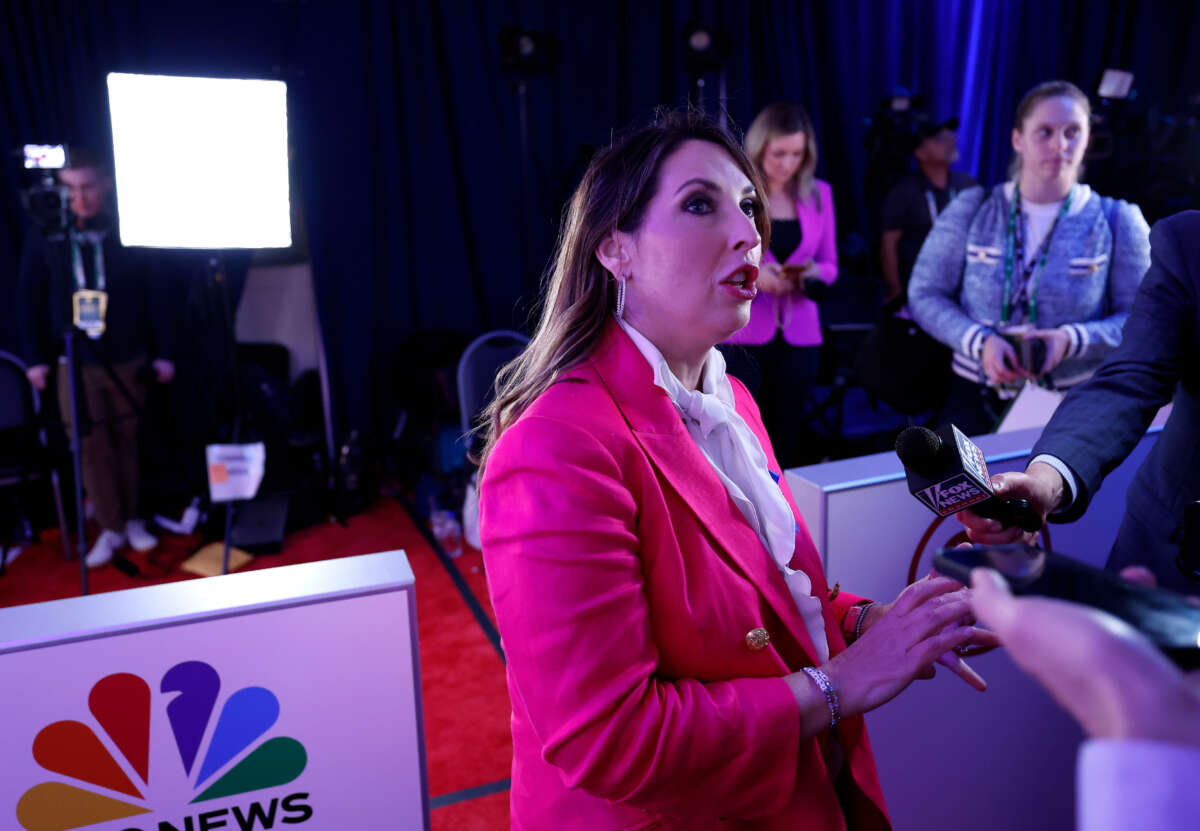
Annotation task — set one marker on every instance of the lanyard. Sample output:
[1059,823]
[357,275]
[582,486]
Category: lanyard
[97,241]
[1014,251]
[932,203]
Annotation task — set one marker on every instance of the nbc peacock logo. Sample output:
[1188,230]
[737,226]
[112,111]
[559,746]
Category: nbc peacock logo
[233,762]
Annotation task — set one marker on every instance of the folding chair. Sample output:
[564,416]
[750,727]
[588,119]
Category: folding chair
[24,450]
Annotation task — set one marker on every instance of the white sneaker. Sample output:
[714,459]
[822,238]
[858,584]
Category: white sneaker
[12,554]
[139,538]
[104,547]
[186,524]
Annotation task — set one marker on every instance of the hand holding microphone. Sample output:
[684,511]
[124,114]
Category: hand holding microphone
[946,471]
[1040,484]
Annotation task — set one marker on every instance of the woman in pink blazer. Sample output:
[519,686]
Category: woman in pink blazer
[781,343]
[675,657]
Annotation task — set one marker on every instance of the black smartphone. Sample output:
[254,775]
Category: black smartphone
[791,271]
[1168,619]
[1033,354]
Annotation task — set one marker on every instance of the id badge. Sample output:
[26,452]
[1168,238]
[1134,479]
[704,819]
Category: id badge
[90,307]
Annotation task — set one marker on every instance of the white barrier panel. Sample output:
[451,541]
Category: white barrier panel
[948,756]
[282,698]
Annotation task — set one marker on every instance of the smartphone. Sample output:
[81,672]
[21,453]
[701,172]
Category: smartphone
[1032,350]
[1168,619]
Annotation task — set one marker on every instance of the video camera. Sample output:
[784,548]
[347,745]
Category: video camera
[44,198]
[1143,151]
[892,133]
[889,144]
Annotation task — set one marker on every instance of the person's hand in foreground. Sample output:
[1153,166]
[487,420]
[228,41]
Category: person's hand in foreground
[1107,675]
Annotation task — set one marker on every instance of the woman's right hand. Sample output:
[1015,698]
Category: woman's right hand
[1000,362]
[921,626]
[772,281]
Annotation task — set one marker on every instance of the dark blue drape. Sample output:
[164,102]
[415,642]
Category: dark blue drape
[424,213]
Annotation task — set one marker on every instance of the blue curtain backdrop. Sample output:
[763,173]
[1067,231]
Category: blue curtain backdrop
[423,213]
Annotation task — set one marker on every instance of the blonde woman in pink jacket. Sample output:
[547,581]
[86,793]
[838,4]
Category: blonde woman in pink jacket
[781,343]
[675,656]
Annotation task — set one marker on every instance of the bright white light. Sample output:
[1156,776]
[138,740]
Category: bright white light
[1115,83]
[200,162]
[45,156]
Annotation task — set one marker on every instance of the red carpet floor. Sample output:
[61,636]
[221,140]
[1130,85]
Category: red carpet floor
[468,744]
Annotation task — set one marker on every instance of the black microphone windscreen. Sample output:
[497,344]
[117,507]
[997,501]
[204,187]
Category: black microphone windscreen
[919,449]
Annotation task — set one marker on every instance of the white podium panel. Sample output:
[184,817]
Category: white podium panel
[282,698]
[948,756]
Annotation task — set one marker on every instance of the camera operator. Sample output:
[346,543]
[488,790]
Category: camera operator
[82,276]
[914,202]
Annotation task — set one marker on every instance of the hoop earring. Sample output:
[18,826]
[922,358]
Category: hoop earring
[621,298]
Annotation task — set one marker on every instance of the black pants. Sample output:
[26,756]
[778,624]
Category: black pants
[109,452]
[780,377]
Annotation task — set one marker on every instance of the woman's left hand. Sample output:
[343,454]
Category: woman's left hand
[1057,343]
[983,641]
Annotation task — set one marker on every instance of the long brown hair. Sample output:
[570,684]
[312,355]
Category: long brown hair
[783,118]
[580,296]
[1035,96]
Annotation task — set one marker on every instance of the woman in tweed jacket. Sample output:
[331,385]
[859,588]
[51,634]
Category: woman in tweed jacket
[1041,262]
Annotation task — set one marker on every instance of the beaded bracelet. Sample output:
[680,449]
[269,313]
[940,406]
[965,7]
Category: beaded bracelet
[826,686]
[862,616]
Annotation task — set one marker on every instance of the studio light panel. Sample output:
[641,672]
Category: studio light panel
[200,162]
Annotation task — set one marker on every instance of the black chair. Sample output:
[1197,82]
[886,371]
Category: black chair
[24,451]
[477,369]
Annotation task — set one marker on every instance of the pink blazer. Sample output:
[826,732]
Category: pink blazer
[625,581]
[794,313]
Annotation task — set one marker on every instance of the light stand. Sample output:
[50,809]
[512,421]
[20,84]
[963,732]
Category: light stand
[232,192]
[77,466]
[216,270]
[525,53]
[706,49]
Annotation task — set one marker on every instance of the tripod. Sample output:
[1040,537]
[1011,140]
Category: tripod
[71,343]
[210,299]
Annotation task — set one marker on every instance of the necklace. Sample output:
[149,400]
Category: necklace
[1014,253]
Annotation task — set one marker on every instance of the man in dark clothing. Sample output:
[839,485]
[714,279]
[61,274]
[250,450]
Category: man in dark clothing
[84,277]
[912,205]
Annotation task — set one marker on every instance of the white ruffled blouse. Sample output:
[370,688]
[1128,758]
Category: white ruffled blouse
[741,463]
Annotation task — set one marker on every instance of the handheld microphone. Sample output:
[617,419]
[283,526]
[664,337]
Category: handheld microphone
[946,471]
